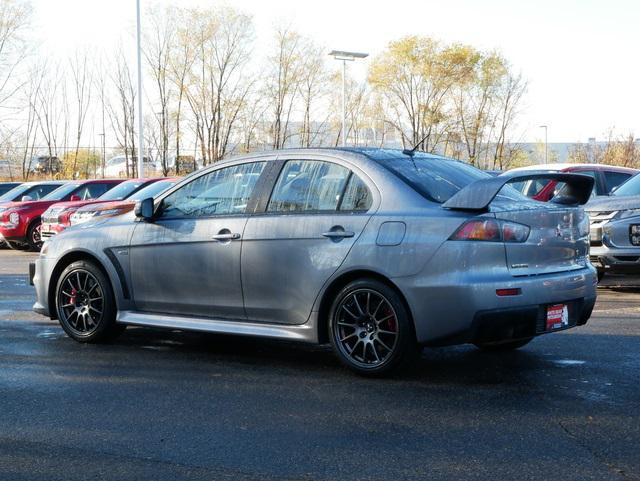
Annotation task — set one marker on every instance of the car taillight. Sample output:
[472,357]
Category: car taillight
[490,230]
[14,218]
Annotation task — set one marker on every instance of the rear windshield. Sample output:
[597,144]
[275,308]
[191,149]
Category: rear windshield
[435,178]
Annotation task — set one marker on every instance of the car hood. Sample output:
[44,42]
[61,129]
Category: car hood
[32,204]
[112,204]
[75,203]
[611,203]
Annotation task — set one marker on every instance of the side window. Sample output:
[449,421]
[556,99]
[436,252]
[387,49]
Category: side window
[356,196]
[614,179]
[224,191]
[308,185]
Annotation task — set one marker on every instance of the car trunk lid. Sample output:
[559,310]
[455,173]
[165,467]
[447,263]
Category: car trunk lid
[558,240]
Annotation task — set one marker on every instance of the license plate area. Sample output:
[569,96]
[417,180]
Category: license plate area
[557,317]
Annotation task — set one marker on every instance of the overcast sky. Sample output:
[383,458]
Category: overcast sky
[580,56]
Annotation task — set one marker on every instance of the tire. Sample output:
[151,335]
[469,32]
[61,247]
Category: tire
[600,275]
[371,330]
[85,304]
[34,240]
[503,346]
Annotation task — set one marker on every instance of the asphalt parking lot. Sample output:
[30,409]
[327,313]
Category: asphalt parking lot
[171,405]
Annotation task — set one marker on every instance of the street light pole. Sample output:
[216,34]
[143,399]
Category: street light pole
[345,57]
[140,120]
[546,144]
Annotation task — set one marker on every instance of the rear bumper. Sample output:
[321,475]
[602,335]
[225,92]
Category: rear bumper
[523,322]
[466,308]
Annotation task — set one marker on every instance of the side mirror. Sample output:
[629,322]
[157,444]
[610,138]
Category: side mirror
[26,198]
[614,189]
[74,198]
[144,209]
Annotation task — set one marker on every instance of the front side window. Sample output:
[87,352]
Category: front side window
[224,191]
[307,186]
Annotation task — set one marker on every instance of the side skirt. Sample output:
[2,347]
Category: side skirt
[305,332]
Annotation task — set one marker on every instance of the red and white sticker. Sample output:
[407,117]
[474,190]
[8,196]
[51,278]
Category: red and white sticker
[557,316]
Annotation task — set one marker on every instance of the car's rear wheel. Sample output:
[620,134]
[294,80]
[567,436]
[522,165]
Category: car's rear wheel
[503,346]
[370,328]
[85,303]
[34,239]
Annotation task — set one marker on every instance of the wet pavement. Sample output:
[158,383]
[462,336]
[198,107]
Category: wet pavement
[170,405]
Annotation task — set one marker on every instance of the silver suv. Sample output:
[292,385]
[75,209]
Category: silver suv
[615,229]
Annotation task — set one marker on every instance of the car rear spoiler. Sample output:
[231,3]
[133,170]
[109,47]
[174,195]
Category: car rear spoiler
[478,195]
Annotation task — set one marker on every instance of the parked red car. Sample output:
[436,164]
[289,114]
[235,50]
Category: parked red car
[20,222]
[109,209]
[58,216]
[607,178]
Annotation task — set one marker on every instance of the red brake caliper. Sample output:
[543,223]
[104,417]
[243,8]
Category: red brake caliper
[72,299]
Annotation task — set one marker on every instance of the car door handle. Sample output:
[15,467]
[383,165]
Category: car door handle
[226,237]
[338,234]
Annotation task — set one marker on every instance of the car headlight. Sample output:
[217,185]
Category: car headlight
[623,214]
[14,218]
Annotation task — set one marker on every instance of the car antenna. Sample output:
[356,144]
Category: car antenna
[411,152]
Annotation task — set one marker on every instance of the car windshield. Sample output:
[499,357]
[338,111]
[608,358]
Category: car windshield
[15,193]
[152,190]
[122,191]
[61,192]
[630,187]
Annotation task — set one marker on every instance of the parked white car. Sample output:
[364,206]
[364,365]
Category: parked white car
[117,166]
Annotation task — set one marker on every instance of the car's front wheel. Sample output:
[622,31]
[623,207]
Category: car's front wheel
[85,303]
[34,238]
[370,328]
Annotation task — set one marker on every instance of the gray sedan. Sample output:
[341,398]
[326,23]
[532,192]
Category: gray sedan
[377,251]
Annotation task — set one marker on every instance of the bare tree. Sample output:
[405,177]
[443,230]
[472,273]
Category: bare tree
[122,111]
[283,82]
[14,18]
[217,84]
[82,83]
[157,52]
[49,107]
[510,96]
[182,58]
[314,80]
[30,94]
